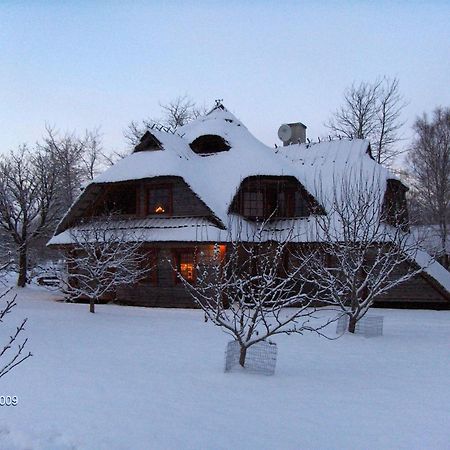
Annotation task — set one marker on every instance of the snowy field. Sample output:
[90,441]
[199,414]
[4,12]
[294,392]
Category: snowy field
[135,378]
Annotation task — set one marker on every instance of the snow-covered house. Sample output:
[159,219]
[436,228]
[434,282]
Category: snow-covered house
[180,193]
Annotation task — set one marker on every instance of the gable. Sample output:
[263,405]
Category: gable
[148,142]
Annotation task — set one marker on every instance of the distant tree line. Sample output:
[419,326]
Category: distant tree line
[37,186]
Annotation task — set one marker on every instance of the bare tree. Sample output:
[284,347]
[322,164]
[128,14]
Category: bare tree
[252,292]
[92,152]
[13,358]
[361,247]
[180,111]
[429,160]
[76,159]
[175,113]
[101,259]
[110,158]
[28,183]
[372,111]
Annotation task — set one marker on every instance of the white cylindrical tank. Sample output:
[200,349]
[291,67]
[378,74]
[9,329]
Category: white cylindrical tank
[292,133]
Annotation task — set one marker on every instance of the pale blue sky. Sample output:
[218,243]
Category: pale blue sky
[84,64]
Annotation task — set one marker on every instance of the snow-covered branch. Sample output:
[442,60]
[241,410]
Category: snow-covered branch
[13,357]
[359,256]
[252,290]
[102,258]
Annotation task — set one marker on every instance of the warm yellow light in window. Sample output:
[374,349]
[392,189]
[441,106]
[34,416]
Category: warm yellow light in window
[187,270]
[159,209]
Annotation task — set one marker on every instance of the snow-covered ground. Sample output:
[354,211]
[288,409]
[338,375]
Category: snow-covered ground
[136,378]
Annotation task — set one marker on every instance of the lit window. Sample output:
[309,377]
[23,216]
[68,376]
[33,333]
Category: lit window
[186,265]
[160,200]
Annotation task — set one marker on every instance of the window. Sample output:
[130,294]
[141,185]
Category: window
[185,264]
[267,197]
[121,200]
[159,200]
[283,209]
[209,144]
[253,204]
[272,202]
[301,208]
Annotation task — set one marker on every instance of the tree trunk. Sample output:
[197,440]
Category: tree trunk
[352,324]
[242,356]
[22,280]
[92,305]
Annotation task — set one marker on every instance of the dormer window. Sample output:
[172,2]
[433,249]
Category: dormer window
[159,200]
[209,144]
[273,197]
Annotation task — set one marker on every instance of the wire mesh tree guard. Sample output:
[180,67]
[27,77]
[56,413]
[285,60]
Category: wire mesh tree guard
[369,326]
[261,357]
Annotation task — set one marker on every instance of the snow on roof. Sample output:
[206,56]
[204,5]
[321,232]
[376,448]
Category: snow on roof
[324,167]
[189,229]
[214,178]
[433,269]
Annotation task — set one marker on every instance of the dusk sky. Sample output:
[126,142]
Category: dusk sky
[85,64]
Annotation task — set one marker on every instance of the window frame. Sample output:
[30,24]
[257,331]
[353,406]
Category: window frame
[100,206]
[169,211]
[176,253]
[276,203]
[250,208]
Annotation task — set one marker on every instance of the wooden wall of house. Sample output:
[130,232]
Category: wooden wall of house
[419,291]
[184,202]
[168,291]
